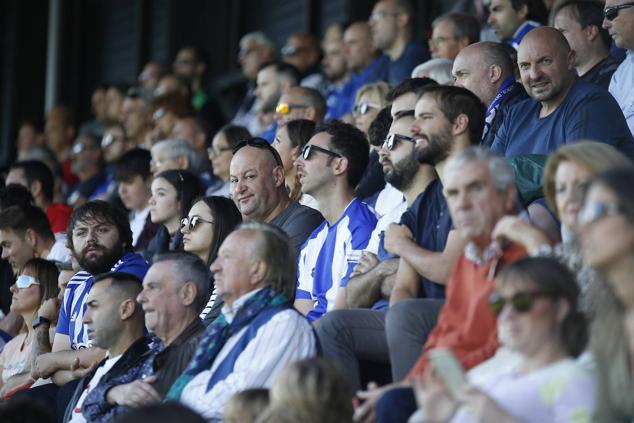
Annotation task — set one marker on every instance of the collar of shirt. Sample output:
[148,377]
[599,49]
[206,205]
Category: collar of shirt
[237,305]
[473,253]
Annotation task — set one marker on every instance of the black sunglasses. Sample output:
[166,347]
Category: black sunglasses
[610,13]
[189,224]
[390,141]
[308,149]
[521,301]
[259,143]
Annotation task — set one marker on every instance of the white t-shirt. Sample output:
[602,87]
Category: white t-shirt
[137,223]
[77,416]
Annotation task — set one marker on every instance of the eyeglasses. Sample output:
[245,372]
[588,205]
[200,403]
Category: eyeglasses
[108,140]
[521,302]
[159,113]
[390,141]
[78,148]
[211,151]
[189,223]
[292,50]
[596,211]
[25,281]
[259,143]
[308,149]
[363,108]
[380,14]
[610,13]
[285,108]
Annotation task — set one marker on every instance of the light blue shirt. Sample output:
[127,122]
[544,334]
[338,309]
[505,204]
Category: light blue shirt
[622,88]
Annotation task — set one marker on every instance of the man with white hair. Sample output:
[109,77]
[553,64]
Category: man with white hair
[437,69]
[179,154]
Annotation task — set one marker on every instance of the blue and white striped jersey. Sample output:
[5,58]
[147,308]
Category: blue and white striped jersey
[330,254]
[71,315]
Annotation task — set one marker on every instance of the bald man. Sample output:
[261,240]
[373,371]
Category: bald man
[562,108]
[258,189]
[300,103]
[486,69]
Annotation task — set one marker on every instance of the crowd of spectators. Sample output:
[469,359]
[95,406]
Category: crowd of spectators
[383,230]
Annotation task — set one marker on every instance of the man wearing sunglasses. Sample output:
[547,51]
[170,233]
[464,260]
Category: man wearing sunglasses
[256,178]
[619,21]
[329,168]
[300,103]
[25,233]
[562,108]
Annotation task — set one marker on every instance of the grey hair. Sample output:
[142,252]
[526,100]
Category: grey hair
[500,169]
[260,39]
[189,267]
[439,70]
[177,148]
[274,248]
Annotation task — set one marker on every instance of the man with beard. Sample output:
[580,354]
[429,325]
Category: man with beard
[562,108]
[273,79]
[101,240]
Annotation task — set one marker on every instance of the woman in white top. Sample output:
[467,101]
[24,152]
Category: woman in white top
[538,318]
[36,283]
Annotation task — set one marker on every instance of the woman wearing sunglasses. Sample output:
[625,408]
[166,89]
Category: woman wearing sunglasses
[536,306]
[173,192]
[205,227]
[607,231]
[36,283]
[289,142]
[370,99]
[567,174]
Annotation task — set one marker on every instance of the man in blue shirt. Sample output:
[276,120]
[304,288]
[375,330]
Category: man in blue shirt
[100,237]
[511,20]
[391,24]
[562,108]
[329,168]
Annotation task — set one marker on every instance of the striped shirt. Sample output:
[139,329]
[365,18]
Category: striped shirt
[71,315]
[330,254]
[286,338]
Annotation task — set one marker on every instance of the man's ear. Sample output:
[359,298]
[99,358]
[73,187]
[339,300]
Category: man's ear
[402,20]
[258,271]
[126,309]
[522,13]
[495,73]
[563,308]
[340,165]
[30,237]
[188,293]
[460,125]
[36,188]
[183,162]
[310,113]
[279,176]
[591,32]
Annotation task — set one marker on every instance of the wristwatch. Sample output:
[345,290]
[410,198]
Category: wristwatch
[39,320]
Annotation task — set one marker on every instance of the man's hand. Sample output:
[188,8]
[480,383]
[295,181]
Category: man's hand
[482,407]
[365,413]
[366,263]
[78,371]
[45,366]
[49,309]
[395,236]
[134,394]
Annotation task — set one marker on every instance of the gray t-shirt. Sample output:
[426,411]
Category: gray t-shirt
[298,222]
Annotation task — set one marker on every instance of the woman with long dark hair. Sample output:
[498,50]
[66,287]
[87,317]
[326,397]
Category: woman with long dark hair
[173,192]
[205,227]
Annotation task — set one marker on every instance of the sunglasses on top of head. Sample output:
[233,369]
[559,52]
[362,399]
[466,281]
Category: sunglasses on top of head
[259,143]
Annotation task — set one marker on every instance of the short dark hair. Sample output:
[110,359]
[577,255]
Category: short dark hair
[235,134]
[410,85]
[313,98]
[300,131]
[15,195]
[125,285]
[187,185]
[351,143]
[283,70]
[454,101]
[35,170]
[173,102]
[380,127]
[587,13]
[536,9]
[21,218]
[497,54]
[132,163]
[189,267]
[464,25]
[102,212]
